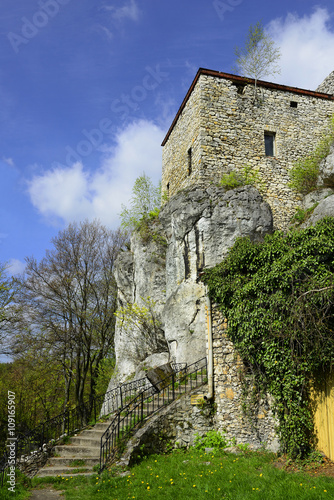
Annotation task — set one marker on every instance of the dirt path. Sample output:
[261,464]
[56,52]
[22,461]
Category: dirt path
[45,494]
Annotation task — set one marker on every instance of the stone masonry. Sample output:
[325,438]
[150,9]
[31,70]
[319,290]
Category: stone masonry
[243,419]
[220,128]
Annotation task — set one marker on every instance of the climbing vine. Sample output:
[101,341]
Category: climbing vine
[278,298]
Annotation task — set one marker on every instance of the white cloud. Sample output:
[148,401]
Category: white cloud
[9,161]
[128,11]
[307,46]
[15,267]
[73,193]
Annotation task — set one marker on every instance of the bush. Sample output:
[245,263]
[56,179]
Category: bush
[305,173]
[246,177]
[212,439]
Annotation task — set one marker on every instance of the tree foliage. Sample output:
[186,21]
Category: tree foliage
[144,202]
[278,298]
[67,302]
[259,56]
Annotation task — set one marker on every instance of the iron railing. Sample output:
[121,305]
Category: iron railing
[46,434]
[183,379]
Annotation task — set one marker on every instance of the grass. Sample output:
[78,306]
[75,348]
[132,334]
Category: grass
[195,475]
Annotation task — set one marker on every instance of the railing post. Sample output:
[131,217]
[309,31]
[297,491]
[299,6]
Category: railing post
[173,386]
[142,407]
[120,392]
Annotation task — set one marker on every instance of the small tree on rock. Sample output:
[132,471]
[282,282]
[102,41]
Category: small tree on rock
[259,56]
[145,201]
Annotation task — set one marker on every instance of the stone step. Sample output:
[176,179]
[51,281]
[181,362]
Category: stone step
[65,471]
[73,462]
[93,441]
[77,451]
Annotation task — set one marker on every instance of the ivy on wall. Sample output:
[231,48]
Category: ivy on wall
[278,298]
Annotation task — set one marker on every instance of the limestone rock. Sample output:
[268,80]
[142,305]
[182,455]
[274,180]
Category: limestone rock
[324,209]
[140,273]
[327,86]
[326,176]
[316,197]
[201,225]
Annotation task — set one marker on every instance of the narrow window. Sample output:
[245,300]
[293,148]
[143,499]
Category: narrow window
[189,161]
[241,89]
[293,104]
[269,143]
[167,187]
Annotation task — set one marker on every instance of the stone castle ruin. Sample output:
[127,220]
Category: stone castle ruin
[218,129]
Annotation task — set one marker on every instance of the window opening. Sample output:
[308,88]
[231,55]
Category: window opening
[189,161]
[293,104]
[269,143]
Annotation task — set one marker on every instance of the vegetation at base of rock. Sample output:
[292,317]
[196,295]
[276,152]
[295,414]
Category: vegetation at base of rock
[302,214]
[305,173]
[197,475]
[247,176]
[147,336]
[278,299]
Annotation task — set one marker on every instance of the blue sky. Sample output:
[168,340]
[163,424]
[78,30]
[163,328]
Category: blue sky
[89,88]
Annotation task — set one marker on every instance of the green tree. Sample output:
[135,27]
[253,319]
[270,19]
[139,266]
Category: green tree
[259,56]
[144,202]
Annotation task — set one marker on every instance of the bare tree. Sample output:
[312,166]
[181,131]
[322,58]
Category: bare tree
[68,303]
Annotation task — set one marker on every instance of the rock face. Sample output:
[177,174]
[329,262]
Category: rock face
[198,226]
[141,277]
[324,209]
[327,86]
[201,225]
[326,177]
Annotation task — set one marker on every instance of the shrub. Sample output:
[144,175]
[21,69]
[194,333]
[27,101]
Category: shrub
[212,439]
[305,173]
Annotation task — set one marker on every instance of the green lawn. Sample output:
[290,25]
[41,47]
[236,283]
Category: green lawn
[196,475]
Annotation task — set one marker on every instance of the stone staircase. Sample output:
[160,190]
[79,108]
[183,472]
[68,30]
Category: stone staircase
[79,456]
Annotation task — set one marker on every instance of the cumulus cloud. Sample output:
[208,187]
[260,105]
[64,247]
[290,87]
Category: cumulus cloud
[128,11]
[66,194]
[307,47]
[16,267]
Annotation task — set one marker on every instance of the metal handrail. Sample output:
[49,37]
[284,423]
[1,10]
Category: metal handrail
[148,402]
[47,433]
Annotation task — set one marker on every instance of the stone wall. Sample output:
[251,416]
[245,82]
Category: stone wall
[226,128]
[175,426]
[242,419]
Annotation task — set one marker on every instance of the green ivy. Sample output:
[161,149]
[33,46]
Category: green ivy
[278,299]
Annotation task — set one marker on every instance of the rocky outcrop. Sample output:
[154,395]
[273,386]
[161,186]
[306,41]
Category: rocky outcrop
[324,209]
[327,86]
[201,225]
[326,174]
[197,227]
[141,280]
